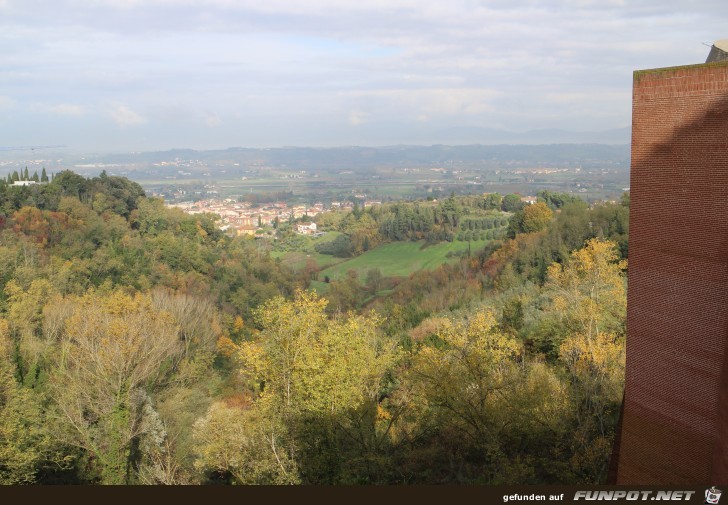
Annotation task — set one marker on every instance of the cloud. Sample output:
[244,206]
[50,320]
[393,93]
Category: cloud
[357,117]
[6,102]
[124,116]
[211,119]
[68,110]
[272,67]
[429,101]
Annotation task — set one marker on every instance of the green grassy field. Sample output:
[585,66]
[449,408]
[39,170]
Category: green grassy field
[320,287]
[297,260]
[399,259]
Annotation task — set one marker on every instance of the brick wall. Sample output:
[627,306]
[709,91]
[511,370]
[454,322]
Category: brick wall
[675,417]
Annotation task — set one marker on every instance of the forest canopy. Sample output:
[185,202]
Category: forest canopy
[142,345]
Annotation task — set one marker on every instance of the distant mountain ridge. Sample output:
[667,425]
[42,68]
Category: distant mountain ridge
[395,155]
[491,136]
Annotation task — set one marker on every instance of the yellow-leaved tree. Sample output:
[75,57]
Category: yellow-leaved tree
[315,380]
[114,349]
[25,318]
[473,387]
[589,292]
[589,298]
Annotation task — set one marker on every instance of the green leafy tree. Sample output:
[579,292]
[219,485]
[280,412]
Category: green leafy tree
[555,200]
[493,201]
[25,443]
[511,203]
[374,279]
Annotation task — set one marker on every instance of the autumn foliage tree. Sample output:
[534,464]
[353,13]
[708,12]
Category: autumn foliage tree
[588,297]
[474,385]
[589,292]
[114,350]
[314,380]
[529,219]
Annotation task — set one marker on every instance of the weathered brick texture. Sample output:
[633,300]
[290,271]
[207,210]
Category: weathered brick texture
[675,416]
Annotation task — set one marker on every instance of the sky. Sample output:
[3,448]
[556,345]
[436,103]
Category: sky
[139,75]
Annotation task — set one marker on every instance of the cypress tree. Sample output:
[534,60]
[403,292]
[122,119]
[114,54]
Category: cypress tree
[43,176]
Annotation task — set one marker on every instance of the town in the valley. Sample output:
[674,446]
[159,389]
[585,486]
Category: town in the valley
[244,218]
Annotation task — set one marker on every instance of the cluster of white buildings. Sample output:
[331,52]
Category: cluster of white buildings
[240,218]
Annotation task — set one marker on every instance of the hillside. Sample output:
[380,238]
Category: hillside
[141,345]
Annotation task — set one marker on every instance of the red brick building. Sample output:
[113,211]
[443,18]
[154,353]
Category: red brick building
[674,426]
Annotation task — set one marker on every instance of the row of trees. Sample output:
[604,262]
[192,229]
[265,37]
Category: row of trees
[447,220]
[25,176]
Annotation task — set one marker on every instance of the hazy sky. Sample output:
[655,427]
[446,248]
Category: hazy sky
[158,74]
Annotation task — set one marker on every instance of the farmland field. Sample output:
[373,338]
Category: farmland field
[296,260]
[399,259]
[303,250]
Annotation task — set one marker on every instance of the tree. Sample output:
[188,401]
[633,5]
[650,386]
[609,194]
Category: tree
[304,320]
[536,217]
[588,293]
[245,444]
[344,294]
[493,201]
[555,200]
[511,203]
[24,313]
[596,367]
[463,375]
[71,184]
[374,279]
[196,317]
[315,376]
[25,175]
[624,199]
[113,351]
[24,443]
[43,176]
[472,384]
